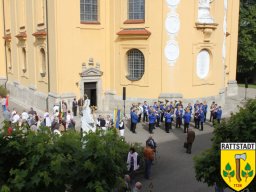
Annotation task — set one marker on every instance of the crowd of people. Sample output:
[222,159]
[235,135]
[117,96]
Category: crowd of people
[135,163]
[172,112]
[59,120]
[168,114]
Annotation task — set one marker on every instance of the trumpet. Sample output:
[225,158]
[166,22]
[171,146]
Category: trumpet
[166,101]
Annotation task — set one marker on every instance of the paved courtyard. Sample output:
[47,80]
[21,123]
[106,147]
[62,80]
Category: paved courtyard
[174,169]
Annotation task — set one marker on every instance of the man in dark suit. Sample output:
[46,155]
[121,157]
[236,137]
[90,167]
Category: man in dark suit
[190,140]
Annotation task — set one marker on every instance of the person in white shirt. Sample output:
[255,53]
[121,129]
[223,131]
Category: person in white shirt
[57,132]
[24,116]
[47,119]
[15,118]
[69,118]
[56,110]
[121,127]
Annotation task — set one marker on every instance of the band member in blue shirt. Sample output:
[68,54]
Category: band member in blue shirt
[219,114]
[134,120]
[201,119]
[168,121]
[152,120]
[187,118]
[179,113]
[196,117]
[205,108]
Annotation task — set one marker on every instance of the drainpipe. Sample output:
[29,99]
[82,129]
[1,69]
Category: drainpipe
[48,52]
[5,52]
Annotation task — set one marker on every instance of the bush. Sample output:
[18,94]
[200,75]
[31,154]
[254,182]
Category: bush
[3,91]
[45,162]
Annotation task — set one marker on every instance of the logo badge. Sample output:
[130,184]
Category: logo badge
[237,164]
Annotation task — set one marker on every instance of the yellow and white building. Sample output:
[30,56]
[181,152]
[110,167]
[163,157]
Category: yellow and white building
[157,49]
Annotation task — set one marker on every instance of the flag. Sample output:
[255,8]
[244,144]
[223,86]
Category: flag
[114,116]
[7,102]
[60,113]
[118,118]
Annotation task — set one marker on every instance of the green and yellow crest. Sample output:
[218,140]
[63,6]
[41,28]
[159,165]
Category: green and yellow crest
[237,164]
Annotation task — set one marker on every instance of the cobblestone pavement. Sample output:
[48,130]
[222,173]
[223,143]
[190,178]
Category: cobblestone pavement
[174,169]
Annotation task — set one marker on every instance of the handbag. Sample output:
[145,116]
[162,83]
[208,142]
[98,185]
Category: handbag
[185,145]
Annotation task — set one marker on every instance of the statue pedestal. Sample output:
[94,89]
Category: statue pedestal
[207,29]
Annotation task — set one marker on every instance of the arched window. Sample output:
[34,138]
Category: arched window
[43,62]
[9,58]
[24,60]
[136,10]
[136,64]
[88,10]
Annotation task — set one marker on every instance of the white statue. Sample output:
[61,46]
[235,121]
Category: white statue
[204,15]
[88,124]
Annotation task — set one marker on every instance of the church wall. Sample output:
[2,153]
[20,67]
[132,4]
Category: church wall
[75,47]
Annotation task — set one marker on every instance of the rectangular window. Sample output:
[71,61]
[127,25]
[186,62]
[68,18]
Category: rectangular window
[89,10]
[136,10]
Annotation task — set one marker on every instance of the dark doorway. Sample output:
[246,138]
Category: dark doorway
[91,91]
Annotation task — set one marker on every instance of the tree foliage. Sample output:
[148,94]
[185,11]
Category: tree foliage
[241,127]
[45,162]
[247,36]
[3,91]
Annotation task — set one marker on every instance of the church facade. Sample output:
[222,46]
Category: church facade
[54,50]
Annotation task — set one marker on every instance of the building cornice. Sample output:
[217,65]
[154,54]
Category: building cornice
[40,34]
[22,36]
[7,37]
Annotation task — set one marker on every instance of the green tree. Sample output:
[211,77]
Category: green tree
[240,127]
[46,162]
[3,91]
[247,37]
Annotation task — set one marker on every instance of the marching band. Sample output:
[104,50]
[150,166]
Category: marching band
[161,112]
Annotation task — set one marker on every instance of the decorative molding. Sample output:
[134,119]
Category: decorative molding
[40,34]
[91,72]
[205,79]
[172,26]
[207,29]
[43,74]
[22,36]
[40,24]
[173,3]
[134,33]
[172,51]
[90,22]
[138,21]
[7,37]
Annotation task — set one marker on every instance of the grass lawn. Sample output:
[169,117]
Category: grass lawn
[249,86]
